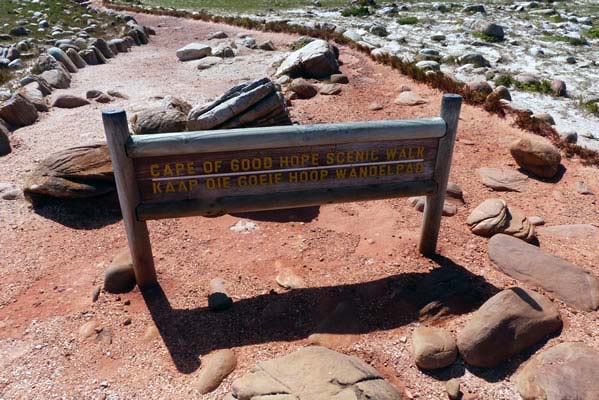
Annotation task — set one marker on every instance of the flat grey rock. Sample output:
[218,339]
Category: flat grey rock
[193,51]
[314,373]
[573,231]
[559,277]
[503,180]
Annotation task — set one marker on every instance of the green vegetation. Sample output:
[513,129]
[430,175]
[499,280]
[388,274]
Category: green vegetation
[360,11]
[232,6]
[542,86]
[5,75]
[593,32]
[556,18]
[566,39]
[487,38]
[301,42]
[408,21]
[506,80]
[65,13]
[589,106]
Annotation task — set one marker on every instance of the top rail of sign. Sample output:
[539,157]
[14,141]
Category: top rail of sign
[171,144]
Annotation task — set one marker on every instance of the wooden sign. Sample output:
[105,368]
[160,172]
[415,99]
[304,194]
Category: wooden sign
[217,172]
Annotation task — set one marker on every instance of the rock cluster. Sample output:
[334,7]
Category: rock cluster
[55,66]
[251,104]
[493,216]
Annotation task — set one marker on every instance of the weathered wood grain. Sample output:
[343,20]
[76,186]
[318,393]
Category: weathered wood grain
[117,134]
[433,209]
[272,201]
[168,144]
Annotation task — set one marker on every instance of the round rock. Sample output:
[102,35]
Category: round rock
[433,348]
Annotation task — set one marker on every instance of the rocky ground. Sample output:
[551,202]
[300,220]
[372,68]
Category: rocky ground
[543,40]
[361,286]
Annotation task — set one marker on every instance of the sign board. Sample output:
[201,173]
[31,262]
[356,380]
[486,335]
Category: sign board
[217,172]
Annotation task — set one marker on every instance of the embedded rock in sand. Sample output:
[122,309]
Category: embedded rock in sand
[565,371]
[531,265]
[77,172]
[216,366]
[69,101]
[314,373]
[503,180]
[410,98]
[119,277]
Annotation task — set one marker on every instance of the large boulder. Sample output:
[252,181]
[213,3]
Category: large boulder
[506,324]
[314,373]
[18,111]
[536,156]
[318,59]
[490,30]
[531,265]
[77,172]
[57,78]
[563,372]
[251,104]
[63,58]
[193,51]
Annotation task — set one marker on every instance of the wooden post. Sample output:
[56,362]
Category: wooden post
[117,134]
[433,209]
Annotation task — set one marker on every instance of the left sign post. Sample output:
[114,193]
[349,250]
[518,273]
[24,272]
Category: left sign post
[117,135]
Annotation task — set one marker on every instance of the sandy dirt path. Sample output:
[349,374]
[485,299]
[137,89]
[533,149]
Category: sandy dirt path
[361,254]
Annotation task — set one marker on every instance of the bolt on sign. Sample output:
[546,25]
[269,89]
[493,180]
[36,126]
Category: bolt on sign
[212,173]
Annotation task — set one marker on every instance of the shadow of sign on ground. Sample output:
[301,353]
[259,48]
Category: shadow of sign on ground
[377,305]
